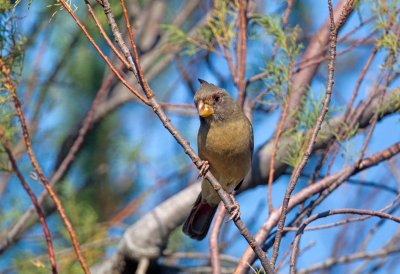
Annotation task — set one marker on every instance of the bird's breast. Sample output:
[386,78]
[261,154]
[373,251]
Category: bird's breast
[226,146]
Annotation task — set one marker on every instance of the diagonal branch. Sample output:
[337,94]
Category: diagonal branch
[38,169]
[26,219]
[35,202]
[361,212]
[163,219]
[324,110]
[154,62]
[225,197]
[303,79]
[304,194]
[105,58]
[151,100]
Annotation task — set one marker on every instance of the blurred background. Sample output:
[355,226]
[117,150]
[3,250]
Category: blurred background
[128,163]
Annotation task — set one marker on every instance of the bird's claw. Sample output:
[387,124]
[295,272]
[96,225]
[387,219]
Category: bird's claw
[204,168]
[234,209]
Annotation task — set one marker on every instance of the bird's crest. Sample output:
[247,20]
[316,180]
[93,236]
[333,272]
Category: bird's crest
[202,81]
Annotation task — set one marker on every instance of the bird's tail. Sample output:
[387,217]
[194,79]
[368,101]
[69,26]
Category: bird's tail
[197,224]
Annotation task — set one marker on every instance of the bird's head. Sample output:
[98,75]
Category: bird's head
[214,103]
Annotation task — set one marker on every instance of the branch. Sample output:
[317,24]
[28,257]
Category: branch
[163,219]
[350,258]
[38,169]
[26,219]
[309,220]
[317,187]
[159,223]
[155,61]
[35,202]
[225,197]
[102,32]
[151,100]
[213,240]
[105,58]
[324,110]
[303,79]
[241,52]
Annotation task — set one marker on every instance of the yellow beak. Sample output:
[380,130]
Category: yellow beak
[204,109]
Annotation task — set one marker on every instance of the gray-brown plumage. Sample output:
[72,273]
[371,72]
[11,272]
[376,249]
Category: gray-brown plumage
[225,140]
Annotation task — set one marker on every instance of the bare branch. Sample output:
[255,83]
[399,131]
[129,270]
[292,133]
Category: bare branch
[214,247]
[38,169]
[302,80]
[26,218]
[304,194]
[324,110]
[241,51]
[35,202]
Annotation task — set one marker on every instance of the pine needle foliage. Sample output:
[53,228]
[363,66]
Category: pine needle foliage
[12,46]
[218,32]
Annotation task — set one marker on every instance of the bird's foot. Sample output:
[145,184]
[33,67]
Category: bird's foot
[234,209]
[204,168]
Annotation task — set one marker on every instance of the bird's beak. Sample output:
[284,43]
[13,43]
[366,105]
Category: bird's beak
[204,109]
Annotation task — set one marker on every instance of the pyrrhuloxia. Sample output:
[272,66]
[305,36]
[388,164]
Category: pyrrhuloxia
[225,143]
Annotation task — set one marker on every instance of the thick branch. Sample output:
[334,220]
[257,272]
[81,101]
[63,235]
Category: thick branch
[174,213]
[315,49]
[313,189]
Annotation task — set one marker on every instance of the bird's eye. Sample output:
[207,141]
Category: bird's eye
[217,98]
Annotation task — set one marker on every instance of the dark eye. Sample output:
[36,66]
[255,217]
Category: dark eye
[217,98]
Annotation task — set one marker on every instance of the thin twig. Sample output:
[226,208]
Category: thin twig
[213,240]
[329,190]
[283,263]
[324,110]
[65,163]
[312,179]
[241,52]
[259,97]
[320,59]
[226,199]
[343,222]
[374,229]
[130,208]
[42,219]
[279,132]
[285,19]
[111,66]
[192,255]
[334,179]
[105,36]
[86,125]
[128,26]
[38,169]
[390,60]
[330,213]
[273,155]
[117,34]
[350,258]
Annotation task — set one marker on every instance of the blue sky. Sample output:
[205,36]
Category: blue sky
[163,154]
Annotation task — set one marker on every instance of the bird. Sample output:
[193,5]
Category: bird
[225,146]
